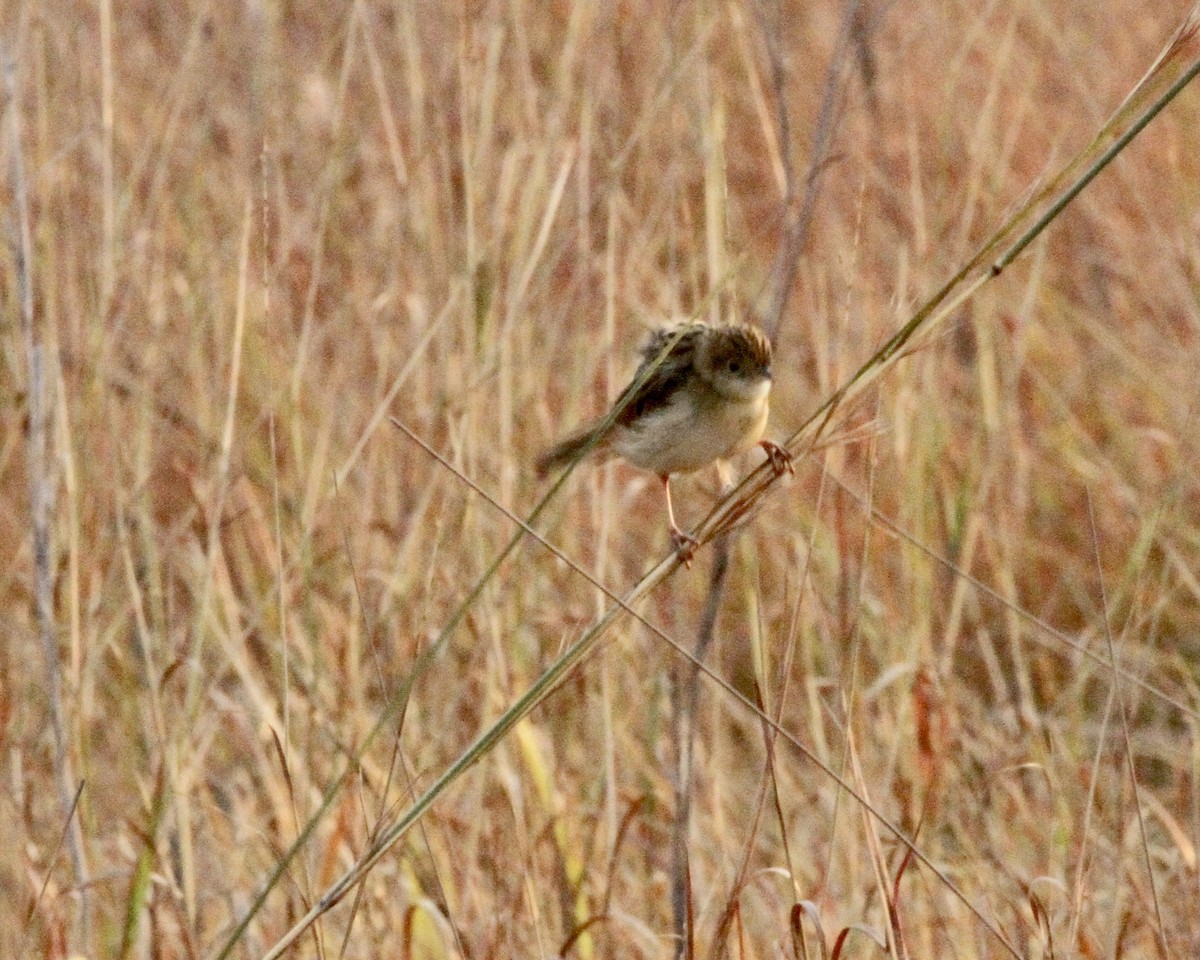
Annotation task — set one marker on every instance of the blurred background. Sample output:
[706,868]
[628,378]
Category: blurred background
[250,233]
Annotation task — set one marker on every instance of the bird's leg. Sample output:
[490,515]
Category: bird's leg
[781,460]
[683,543]
[725,476]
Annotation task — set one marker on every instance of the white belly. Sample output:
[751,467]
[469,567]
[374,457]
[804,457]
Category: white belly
[685,436]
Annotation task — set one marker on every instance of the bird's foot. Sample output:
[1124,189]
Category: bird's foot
[781,460]
[685,545]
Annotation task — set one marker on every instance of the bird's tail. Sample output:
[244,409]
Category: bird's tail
[572,446]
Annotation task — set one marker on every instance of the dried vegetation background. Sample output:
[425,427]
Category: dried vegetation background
[256,231]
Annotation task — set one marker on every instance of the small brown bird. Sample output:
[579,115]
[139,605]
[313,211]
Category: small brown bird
[705,401]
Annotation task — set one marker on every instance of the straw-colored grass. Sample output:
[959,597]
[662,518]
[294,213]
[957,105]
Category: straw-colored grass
[254,234]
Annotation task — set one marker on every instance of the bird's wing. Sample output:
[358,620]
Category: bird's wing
[667,377]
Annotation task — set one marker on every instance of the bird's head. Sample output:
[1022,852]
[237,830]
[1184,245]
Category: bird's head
[736,360]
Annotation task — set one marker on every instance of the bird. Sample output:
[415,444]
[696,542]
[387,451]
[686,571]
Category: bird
[700,396]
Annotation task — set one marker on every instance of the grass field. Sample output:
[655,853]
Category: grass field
[241,238]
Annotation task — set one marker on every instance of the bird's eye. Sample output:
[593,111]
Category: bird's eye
[734,366]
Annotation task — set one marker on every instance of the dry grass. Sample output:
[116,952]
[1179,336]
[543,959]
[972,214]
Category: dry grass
[259,231]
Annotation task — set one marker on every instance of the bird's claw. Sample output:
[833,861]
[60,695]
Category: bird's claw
[685,545]
[780,459]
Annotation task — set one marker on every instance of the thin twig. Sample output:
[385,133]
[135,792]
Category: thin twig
[855,31]
[685,695]
[1123,713]
[62,838]
[783,274]
[41,503]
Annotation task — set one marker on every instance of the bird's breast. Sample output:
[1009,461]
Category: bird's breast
[694,430]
